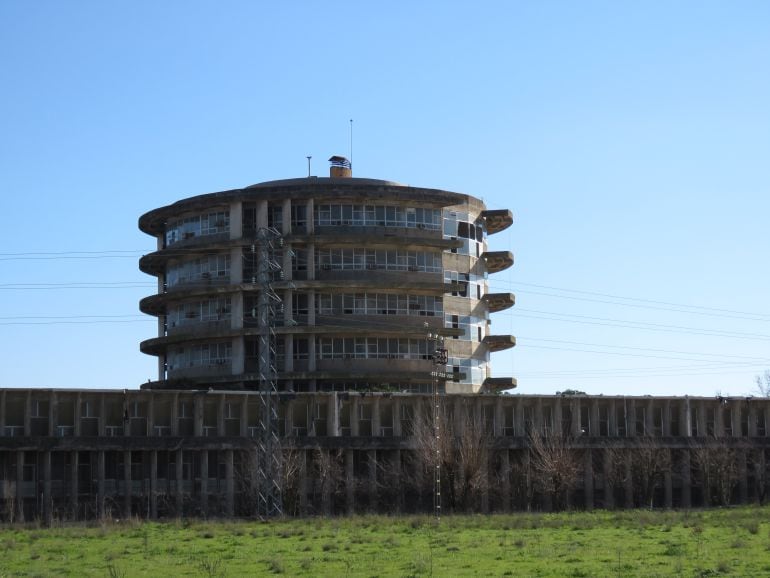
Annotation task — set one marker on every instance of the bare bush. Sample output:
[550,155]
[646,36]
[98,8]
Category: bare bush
[554,466]
[718,467]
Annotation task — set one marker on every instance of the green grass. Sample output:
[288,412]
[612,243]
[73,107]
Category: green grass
[727,542]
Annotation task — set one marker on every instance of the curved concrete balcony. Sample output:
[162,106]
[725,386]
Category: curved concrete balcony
[499,301]
[499,383]
[497,220]
[376,237]
[497,343]
[155,263]
[497,261]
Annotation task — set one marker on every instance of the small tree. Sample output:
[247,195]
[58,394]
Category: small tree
[554,465]
[649,462]
[718,467]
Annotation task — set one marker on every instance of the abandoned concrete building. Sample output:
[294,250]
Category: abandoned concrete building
[314,337]
[155,453]
[358,270]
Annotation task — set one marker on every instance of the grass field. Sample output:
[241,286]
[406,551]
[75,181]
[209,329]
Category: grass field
[728,542]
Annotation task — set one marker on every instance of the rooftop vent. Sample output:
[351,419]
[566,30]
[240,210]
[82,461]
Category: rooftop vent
[340,168]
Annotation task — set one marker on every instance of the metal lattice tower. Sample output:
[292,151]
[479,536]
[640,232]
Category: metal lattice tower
[439,359]
[268,456]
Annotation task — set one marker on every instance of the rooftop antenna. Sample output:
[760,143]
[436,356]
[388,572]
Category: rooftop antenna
[308,165]
[351,145]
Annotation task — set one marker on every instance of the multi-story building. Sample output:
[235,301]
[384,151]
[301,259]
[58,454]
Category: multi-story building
[351,275]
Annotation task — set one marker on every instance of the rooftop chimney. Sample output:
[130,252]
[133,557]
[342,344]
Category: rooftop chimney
[340,168]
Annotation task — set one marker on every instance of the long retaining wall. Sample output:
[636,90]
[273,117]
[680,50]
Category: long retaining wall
[78,454]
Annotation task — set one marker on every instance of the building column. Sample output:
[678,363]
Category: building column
[154,484]
[685,418]
[593,426]
[398,479]
[198,416]
[649,418]
[229,484]
[702,419]
[127,484]
[735,418]
[19,485]
[204,483]
[631,418]
[311,353]
[373,493]
[607,474]
[332,415]
[520,428]
[2,413]
[397,430]
[100,484]
[666,423]
[303,482]
[74,483]
[53,413]
[236,219]
[499,418]
[28,414]
[588,479]
[47,498]
[355,401]
[539,415]
[350,487]
[612,419]
[743,490]
[752,420]
[179,483]
[628,485]
[577,418]
[557,417]
[376,417]
[668,487]
[505,473]
[719,420]
[686,479]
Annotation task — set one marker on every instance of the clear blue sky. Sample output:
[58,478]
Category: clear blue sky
[630,139]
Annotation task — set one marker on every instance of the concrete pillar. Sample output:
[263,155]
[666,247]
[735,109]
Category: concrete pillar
[628,482]
[719,420]
[668,488]
[702,418]
[397,430]
[179,483]
[221,415]
[100,487]
[373,493]
[588,479]
[499,418]
[286,217]
[686,479]
[204,483]
[127,483]
[631,417]
[350,486]
[539,415]
[685,418]
[594,429]
[261,213]
[150,415]
[505,474]
[735,418]
[74,483]
[743,489]
[53,413]
[289,417]
[355,402]
[288,360]
[398,479]
[102,420]
[229,484]
[303,482]
[649,418]
[311,353]
[198,415]
[577,418]
[20,485]
[332,415]
[557,417]
[376,425]
[2,413]
[612,419]
[238,359]
[236,220]
[666,424]
[607,474]
[752,420]
[28,414]
[47,498]
[175,414]
[154,484]
[767,419]
[519,425]
[311,272]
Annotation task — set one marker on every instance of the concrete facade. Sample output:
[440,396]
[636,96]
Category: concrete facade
[369,268]
[150,453]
